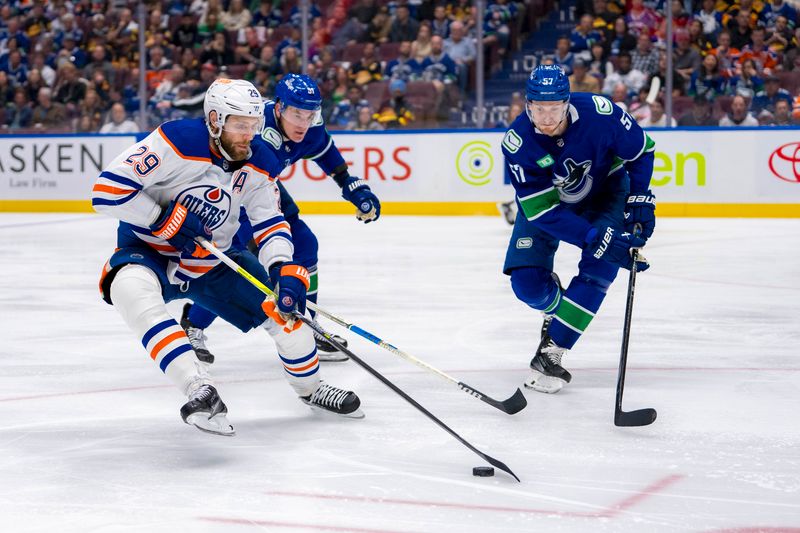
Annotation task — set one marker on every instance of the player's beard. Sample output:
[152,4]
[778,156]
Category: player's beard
[236,149]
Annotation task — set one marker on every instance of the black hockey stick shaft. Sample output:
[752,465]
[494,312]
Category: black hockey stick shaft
[511,405]
[641,417]
[489,459]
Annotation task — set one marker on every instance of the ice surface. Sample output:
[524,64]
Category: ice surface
[91,438]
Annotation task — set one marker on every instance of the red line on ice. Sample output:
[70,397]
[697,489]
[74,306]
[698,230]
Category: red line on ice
[608,512]
[295,525]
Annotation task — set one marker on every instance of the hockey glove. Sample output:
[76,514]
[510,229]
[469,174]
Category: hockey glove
[180,227]
[291,281]
[610,245]
[641,209]
[357,192]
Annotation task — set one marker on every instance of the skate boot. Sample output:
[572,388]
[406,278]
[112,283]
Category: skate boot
[547,374]
[334,400]
[508,210]
[206,412]
[326,351]
[196,337]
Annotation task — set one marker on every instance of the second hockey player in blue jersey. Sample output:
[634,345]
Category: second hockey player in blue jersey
[294,130]
[581,170]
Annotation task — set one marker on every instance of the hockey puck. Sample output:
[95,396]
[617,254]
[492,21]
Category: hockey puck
[483,471]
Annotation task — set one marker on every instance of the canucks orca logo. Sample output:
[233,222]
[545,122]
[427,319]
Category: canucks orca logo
[211,203]
[575,185]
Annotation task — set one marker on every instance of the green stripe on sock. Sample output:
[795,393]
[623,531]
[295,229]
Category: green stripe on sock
[570,314]
[553,305]
[312,287]
[535,204]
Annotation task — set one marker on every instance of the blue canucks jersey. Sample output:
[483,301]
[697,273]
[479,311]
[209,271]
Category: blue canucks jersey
[555,176]
[317,145]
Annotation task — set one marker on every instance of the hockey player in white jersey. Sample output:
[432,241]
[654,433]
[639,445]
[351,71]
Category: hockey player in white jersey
[188,180]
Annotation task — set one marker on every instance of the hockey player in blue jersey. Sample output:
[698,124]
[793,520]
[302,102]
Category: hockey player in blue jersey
[293,130]
[581,170]
[189,179]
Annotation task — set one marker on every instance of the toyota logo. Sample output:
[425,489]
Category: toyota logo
[784,162]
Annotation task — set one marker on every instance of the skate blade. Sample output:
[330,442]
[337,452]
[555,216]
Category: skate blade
[542,383]
[217,425]
[357,414]
[332,357]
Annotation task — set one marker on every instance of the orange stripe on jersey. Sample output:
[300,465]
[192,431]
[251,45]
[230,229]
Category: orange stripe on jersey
[313,362]
[166,340]
[271,230]
[198,269]
[191,158]
[110,189]
[261,170]
[161,247]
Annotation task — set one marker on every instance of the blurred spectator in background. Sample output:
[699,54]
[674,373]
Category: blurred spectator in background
[599,66]
[740,29]
[644,57]
[395,113]
[380,27]
[620,95]
[290,61]
[157,67]
[782,116]
[365,10]
[748,83]
[6,90]
[118,121]
[346,111]
[699,115]
[780,35]
[440,25]
[350,33]
[642,19]
[237,17]
[620,39]
[48,114]
[766,60]
[686,58]
[403,28]
[19,112]
[440,70]
[727,57]
[421,47]
[738,116]
[697,38]
[657,118]
[462,51]
[70,90]
[186,34]
[625,74]
[707,81]
[710,18]
[99,62]
[584,36]
[368,68]
[581,81]
[764,101]
[562,56]
[403,67]
[217,52]
[365,121]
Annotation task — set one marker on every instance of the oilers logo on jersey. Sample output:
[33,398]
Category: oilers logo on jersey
[210,203]
[576,183]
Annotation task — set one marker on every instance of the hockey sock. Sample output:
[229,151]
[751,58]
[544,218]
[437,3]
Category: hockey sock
[200,317]
[298,353]
[136,294]
[578,306]
[311,294]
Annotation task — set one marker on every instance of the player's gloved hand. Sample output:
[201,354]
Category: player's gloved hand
[180,227]
[291,281]
[611,245]
[641,209]
[357,192]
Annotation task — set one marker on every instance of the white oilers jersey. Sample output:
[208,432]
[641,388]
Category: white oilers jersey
[176,162]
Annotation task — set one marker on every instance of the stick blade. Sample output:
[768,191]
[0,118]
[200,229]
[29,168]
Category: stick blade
[516,403]
[640,417]
[498,464]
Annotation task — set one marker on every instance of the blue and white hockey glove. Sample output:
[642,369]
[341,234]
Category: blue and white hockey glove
[180,227]
[610,245]
[291,282]
[641,209]
[357,192]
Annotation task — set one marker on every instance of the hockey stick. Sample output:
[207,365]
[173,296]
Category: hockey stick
[640,417]
[511,405]
[266,290]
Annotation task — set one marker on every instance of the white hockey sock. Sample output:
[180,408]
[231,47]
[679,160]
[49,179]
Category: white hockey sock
[298,353]
[136,294]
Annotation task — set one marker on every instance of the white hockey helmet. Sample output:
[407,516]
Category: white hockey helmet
[232,97]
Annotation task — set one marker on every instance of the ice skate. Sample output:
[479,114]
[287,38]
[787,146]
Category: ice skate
[326,351]
[334,400]
[196,337]
[547,374]
[508,210]
[206,412]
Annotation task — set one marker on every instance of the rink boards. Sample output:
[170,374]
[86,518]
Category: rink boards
[719,172]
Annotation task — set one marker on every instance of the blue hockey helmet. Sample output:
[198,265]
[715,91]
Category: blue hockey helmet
[547,83]
[300,91]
